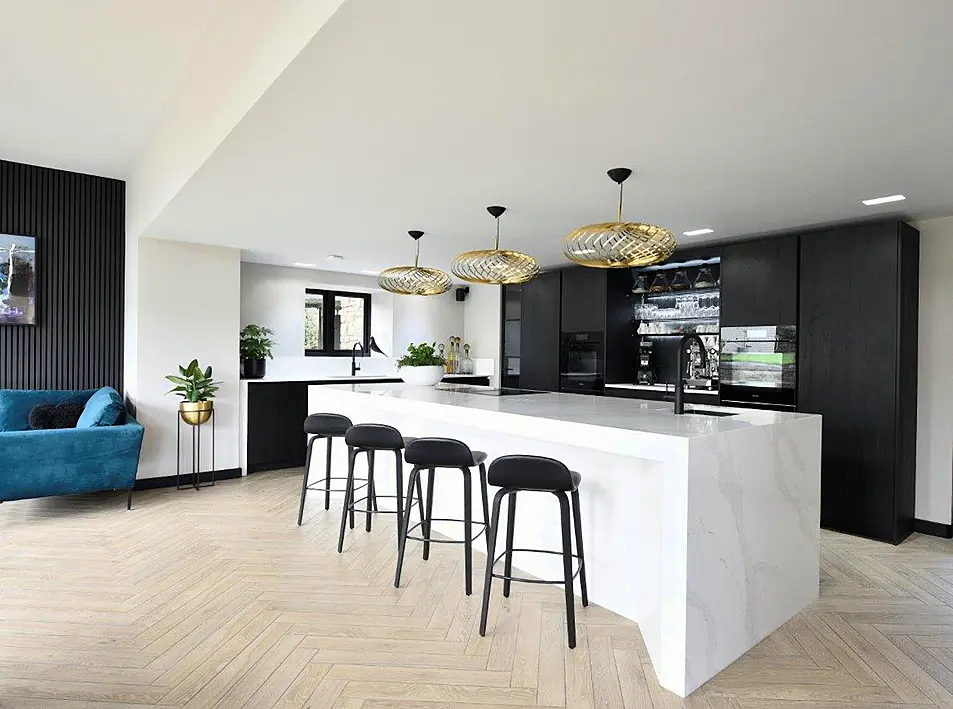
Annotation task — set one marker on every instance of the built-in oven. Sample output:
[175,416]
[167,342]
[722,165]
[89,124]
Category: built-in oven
[757,366]
[582,363]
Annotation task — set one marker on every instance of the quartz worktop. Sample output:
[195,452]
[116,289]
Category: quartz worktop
[344,378]
[662,388]
[705,530]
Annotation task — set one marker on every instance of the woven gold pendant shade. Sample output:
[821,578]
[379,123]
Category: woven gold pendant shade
[619,244]
[414,280]
[495,266]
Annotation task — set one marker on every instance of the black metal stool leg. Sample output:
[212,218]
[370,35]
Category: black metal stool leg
[567,566]
[486,504]
[577,522]
[491,547]
[420,501]
[370,490]
[304,480]
[467,531]
[402,529]
[429,516]
[510,528]
[400,495]
[348,494]
[327,476]
[352,461]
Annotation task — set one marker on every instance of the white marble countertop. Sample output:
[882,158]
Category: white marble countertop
[662,388]
[633,415]
[343,378]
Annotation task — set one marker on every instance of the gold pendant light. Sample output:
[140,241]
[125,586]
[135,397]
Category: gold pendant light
[414,280]
[495,266]
[619,244]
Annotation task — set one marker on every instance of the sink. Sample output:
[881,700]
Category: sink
[693,412]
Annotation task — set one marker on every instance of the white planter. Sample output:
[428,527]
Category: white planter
[422,376]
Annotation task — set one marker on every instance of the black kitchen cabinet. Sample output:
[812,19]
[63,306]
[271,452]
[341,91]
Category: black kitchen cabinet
[583,299]
[759,282]
[276,414]
[857,367]
[539,333]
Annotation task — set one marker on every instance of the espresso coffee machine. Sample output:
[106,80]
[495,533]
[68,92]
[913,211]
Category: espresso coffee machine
[646,375]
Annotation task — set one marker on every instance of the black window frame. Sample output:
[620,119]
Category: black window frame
[327,327]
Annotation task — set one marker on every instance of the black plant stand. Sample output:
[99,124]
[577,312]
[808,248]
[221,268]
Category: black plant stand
[196,454]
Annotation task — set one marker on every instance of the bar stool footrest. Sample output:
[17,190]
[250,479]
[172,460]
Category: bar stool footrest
[523,579]
[353,506]
[483,527]
[315,487]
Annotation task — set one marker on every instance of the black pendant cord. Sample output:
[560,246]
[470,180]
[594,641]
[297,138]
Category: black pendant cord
[621,187]
[496,244]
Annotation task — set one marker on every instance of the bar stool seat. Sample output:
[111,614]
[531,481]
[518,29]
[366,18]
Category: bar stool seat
[431,454]
[528,473]
[368,438]
[323,426]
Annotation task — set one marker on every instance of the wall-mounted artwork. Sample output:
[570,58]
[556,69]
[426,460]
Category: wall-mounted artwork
[17,280]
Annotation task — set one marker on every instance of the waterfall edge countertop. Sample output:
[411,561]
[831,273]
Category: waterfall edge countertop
[704,530]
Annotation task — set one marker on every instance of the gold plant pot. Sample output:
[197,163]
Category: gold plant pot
[195,413]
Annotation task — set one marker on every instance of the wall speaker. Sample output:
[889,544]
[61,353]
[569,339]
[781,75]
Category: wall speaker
[462,293]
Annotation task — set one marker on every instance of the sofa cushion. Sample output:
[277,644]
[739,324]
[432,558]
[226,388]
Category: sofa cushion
[16,404]
[52,416]
[104,408]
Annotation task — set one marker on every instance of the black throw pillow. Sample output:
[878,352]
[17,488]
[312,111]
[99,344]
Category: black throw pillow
[49,416]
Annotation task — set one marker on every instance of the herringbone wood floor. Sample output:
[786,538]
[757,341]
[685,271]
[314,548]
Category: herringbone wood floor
[217,599]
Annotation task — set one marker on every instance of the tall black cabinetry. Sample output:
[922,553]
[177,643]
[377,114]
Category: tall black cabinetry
[583,299]
[759,282]
[539,333]
[857,367]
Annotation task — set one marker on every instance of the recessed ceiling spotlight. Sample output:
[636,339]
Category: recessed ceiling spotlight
[698,232]
[335,257]
[884,200]
[305,265]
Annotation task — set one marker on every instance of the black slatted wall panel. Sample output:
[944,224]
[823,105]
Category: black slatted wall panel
[79,225]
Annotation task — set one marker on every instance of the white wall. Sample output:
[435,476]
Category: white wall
[187,307]
[481,323]
[935,372]
[426,319]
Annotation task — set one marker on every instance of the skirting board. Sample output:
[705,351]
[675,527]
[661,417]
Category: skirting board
[935,529]
[169,480]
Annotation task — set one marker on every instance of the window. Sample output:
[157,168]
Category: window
[334,321]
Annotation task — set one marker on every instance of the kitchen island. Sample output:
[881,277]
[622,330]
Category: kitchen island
[702,528]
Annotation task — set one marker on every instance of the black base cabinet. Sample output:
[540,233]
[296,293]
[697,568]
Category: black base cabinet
[857,367]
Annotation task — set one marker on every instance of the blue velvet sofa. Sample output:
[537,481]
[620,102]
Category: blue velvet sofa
[64,461]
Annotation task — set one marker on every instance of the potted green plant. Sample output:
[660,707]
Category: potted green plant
[421,365]
[197,390]
[255,345]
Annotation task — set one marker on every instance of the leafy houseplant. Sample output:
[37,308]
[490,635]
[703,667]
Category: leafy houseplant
[197,389]
[254,349]
[421,365]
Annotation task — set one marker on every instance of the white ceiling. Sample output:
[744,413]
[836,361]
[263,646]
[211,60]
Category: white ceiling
[745,116]
[83,82]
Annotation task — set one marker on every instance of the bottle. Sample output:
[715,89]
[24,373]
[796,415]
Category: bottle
[467,367]
[450,362]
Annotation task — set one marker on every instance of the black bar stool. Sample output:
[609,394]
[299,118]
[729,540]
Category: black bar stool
[322,426]
[530,473]
[369,438]
[433,453]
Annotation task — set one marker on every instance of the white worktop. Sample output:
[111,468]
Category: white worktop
[662,388]
[344,378]
[648,417]
[703,530]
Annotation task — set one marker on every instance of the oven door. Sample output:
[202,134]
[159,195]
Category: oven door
[581,363]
